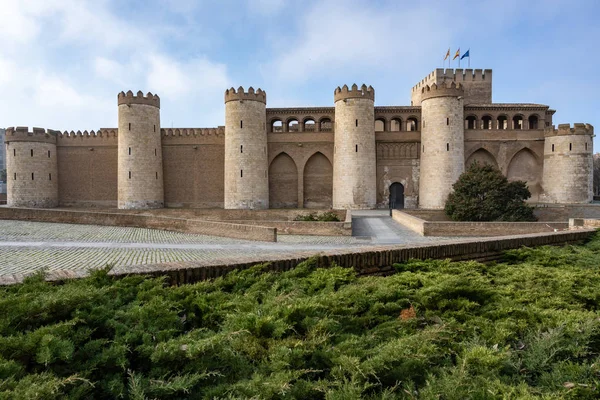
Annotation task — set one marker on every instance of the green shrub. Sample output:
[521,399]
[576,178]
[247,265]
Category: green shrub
[524,328]
[327,216]
[482,193]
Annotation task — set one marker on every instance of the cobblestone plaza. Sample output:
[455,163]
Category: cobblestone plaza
[26,247]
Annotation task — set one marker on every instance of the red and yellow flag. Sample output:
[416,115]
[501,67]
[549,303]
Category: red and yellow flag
[447,54]
[457,54]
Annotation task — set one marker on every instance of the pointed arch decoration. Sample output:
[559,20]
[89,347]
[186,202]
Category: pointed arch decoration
[318,182]
[283,182]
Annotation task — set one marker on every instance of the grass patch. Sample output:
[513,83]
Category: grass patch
[522,329]
[327,216]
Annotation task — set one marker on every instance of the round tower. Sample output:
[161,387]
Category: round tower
[568,164]
[442,143]
[140,171]
[354,158]
[31,168]
[246,162]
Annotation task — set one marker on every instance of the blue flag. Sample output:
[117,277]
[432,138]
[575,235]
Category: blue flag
[466,54]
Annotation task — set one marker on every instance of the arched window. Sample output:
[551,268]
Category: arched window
[412,124]
[309,125]
[533,122]
[325,125]
[379,125]
[396,125]
[486,122]
[471,122]
[502,122]
[293,125]
[517,122]
[276,126]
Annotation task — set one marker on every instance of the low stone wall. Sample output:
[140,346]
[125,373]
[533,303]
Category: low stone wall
[230,230]
[454,229]
[303,227]
[562,212]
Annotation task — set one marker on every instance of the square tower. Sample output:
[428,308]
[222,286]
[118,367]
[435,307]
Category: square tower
[477,84]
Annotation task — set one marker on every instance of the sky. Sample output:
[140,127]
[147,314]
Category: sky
[62,62]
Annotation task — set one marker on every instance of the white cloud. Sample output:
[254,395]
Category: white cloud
[337,36]
[104,54]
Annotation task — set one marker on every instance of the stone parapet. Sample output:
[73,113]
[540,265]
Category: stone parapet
[259,95]
[442,90]
[129,98]
[355,92]
[22,134]
[567,130]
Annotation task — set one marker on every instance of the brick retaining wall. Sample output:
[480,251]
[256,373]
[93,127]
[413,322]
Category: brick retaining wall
[223,229]
[377,260]
[367,261]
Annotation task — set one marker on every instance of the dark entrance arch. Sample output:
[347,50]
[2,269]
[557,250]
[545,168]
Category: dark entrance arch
[397,196]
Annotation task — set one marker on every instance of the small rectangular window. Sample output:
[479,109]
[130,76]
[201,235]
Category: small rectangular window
[31,152]
[570,146]
[154,128]
[356,148]
[356,122]
[156,174]
[130,151]
[14,152]
[32,176]
[129,174]
[241,148]
[586,146]
[155,153]
[15,178]
[552,148]
[48,153]
[241,124]
[447,146]
[49,177]
[447,121]
[241,173]
[130,126]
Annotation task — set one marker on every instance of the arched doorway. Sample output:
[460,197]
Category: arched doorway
[397,196]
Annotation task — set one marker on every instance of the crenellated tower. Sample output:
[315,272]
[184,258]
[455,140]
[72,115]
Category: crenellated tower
[354,158]
[442,143]
[568,164]
[31,167]
[246,160]
[140,171]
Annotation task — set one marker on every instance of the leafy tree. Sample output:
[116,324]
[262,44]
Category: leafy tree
[596,174]
[482,193]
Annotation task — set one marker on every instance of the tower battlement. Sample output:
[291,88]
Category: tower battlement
[129,98]
[354,92]
[22,134]
[442,90]
[567,130]
[258,95]
[477,84]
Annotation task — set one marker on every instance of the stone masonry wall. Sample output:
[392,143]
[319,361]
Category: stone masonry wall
[246,159]
[354,160]
[442,149]
[568,166]
[140,172]
[32,173]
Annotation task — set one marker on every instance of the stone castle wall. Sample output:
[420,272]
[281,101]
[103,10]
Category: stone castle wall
[442,144]
[568,164]
[313,157]
[140,170]
[354,160]
[246,167]
[32,171]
